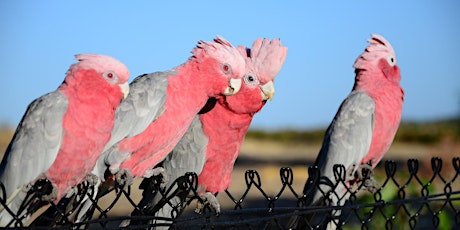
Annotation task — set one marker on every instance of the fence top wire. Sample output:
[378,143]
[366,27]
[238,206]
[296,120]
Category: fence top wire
[411,196]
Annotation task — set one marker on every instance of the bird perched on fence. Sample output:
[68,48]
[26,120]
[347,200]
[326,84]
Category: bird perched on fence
[161,106]
[215,137]
[226,125]
[159,109]
[364,126]
[62,134]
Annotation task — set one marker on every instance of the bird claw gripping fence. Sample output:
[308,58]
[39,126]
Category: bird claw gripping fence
[412,195]
[40,192]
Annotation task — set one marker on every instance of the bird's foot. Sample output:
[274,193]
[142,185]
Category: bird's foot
[365,173]
[350,174]
[92,180]
[371,185]
[208,198]
[124,178]
[45,190]
[158,171]
[90,185]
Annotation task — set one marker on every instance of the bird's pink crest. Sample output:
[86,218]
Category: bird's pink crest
[378,48]
[101,63]
[267,57]
[221,50]
[244,51]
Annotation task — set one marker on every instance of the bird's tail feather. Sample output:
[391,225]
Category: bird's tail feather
[16,212]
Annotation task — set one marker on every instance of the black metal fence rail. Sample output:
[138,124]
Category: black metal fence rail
[410,196]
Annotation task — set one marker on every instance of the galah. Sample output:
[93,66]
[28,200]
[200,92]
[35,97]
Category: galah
[159,109]
[364,126]
[63,132]
[226,125]
[162,105]
[212,143]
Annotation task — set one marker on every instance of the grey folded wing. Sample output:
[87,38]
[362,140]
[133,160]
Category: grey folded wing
[144,104]
[36,142]
[348,138]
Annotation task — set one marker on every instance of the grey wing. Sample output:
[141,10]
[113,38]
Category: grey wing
[349,136]
[36,142]
[189,154]
[144,104]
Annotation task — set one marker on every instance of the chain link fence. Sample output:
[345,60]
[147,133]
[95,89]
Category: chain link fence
[409,195]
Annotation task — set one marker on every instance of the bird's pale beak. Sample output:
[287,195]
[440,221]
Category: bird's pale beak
[267,90]
[124,89]
[233,87]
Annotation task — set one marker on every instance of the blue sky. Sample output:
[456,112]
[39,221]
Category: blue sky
[39,39]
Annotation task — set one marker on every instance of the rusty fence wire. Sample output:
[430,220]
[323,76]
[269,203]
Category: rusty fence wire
[408,196]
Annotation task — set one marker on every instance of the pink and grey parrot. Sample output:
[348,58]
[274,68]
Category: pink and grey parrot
[212,142]
[159,109]
[63,132]
[365,124]
[162,105]
[226,125]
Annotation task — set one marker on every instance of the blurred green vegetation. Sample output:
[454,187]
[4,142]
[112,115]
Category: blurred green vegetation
[429,132]
[408,132]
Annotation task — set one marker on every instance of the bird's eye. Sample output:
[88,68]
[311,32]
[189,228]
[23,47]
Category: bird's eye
[110,76]
[391,60]
[226,68]
[251,79]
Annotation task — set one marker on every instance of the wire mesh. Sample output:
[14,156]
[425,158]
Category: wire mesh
[409,196]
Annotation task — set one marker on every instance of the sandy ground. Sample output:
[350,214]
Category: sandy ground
[398,151]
